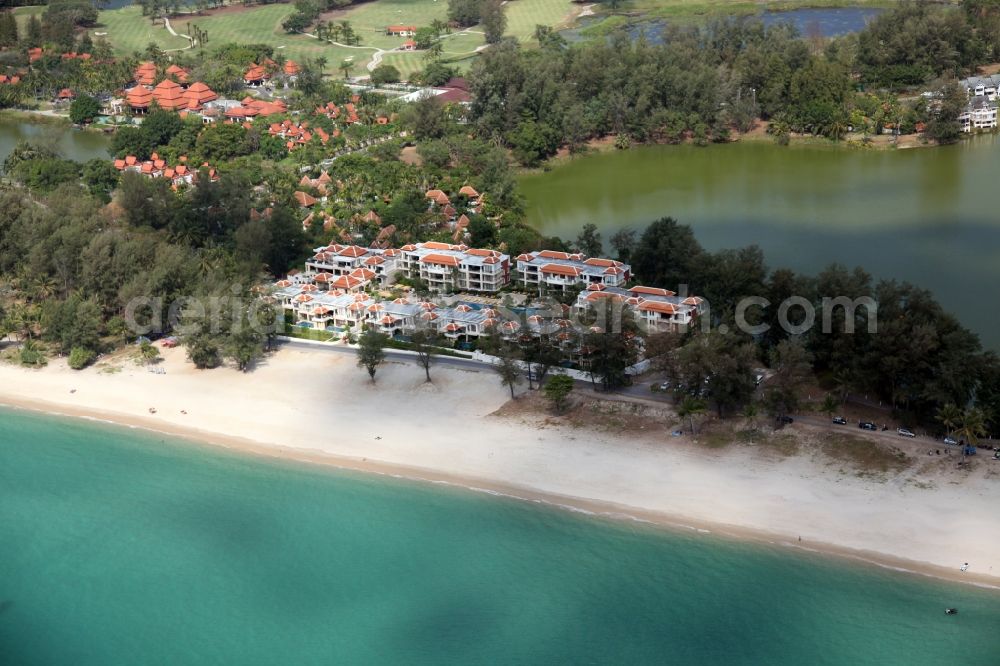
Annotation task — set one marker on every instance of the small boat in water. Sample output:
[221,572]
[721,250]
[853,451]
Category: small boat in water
[951,611]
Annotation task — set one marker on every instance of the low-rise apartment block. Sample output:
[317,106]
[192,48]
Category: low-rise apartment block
[446,268]
[656,310]
[548,270]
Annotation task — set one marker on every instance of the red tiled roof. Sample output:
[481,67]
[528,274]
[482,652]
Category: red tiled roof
[560,269]
[651,291]
[594,261]
[169,95]
[305,200]
[552,254]
[255,73]
[145,74]
[199,93]
[658,306]
[139,97]
[442,259]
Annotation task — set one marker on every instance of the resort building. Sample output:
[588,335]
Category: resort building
[548,270]
[980,114]
[340,260]
[445,267]
[296,135]
[256,75]
[155,167]
[401,30]
[170,95]
[656,310]
[309,305]
[179,74]
[145,74]
[986,86]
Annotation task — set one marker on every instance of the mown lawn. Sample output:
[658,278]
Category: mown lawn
[407,63]
[369,19]
[524,15]
[462,43]
[129,31]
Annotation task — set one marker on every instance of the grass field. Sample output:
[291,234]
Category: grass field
[407,63]
[369,19]
[129,31]
[524,15]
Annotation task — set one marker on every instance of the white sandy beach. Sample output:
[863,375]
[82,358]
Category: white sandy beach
[321,407]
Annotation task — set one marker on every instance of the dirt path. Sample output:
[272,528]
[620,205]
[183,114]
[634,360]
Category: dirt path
[170,29]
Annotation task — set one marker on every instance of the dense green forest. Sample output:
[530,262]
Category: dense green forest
[702,82]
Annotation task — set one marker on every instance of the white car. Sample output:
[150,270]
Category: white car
[903,432]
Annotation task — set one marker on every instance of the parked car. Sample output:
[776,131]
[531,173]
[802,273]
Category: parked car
[840,420]
[867,425]
[949,441]
[784,419]
[664,386]
[903,432]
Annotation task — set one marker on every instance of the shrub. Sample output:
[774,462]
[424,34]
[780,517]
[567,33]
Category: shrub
[384,74]
[80,358]
[31,355]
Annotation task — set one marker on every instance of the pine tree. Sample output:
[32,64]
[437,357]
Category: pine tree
[34,36]
[8,29]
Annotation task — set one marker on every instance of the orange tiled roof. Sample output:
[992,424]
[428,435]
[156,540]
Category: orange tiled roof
[169,95]
[560,269]
[443,259]
[651,291]
[255,73]
[145,74]
[305,200]
[199,93]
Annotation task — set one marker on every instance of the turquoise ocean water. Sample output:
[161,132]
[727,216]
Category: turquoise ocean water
[119,546]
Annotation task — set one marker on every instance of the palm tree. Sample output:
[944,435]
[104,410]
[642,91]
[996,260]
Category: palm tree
[148,353]
[842,383]
[837,128]
[43,288]
[689,408]
[830,405]
[346,66]
[434,51]
[950,416]
[972,425]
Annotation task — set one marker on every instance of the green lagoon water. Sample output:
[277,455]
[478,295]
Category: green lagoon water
[73,144]
[923,215]
[122,547]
